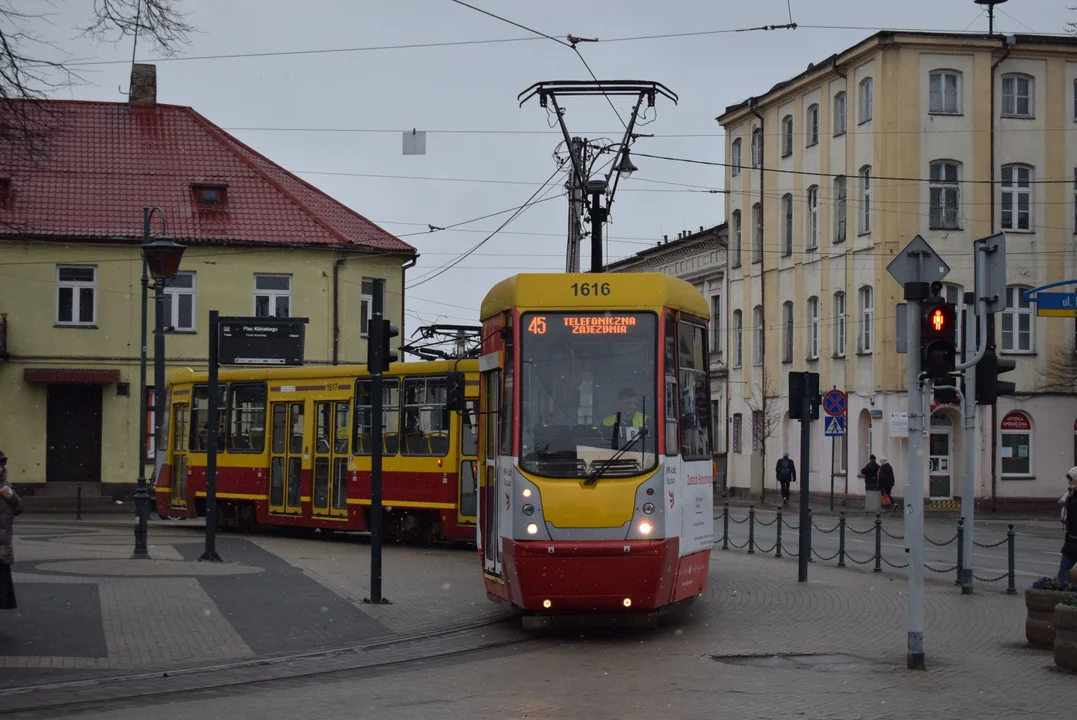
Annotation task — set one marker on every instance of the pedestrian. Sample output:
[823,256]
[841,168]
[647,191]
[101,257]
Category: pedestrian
[871,474]
[787,473]
[1069,522]
[886,483]
[10,507]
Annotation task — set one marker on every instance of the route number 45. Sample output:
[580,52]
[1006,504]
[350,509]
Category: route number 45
[586,289]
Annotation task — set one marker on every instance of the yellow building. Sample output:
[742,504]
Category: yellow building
[260,242]
[830,173]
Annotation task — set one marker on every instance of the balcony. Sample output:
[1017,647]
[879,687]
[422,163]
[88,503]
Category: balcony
[3,336]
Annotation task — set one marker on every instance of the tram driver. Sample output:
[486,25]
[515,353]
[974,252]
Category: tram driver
[625,423]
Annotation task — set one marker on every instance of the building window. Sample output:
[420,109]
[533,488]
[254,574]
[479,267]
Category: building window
[735,156]
[1016,197]
[179,302]
[1017,322]
[1017,95]
[813,218]
[210,195]
[1075,201]
[716,325]
[757,234]
[839,114]
[945,195]
[813,125]
[787,332]
[76,294]
[738,420]
[865,200]
[273,296]
[757,147]
[867,318]
[1075,100]
[839,209]
[866,100]
[716,425]
[366,304]
[839,324]
[787,226]
[813,328]
[787,136]
[738,338]
[736,238]
[757,334]
[945,92]
[1016,445]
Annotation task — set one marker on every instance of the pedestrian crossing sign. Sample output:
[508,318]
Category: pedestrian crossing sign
[835,426]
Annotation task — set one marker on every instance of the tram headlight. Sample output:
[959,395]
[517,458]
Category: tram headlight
[532,529]
[648,508]
[645,528]
[526,492]
[528,509]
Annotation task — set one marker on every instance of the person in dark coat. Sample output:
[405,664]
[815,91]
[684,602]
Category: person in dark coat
[787,473]
[886,482]
[10,508]
[1069,519]
[871,474]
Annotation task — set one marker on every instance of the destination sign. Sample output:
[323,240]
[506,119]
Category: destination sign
[586,324]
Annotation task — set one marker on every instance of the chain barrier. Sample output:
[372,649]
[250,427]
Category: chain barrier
[779,522]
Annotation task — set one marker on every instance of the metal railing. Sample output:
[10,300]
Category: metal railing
[843,527]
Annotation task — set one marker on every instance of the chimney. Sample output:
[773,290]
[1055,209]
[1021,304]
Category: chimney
[143,85]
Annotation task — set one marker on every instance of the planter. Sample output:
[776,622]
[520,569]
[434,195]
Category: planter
[1040,623]
[1066,637]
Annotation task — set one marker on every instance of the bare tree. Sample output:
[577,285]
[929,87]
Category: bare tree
[766,417]
[32,67]
[1060,372]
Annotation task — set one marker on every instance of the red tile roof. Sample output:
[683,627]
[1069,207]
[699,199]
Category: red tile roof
[108,160]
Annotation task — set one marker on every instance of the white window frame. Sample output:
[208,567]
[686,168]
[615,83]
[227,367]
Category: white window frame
[738,338]
[788,330]
[716,325]
[787,225]
[867,100]
[757,147]
[813,125]
[735,157]
[939,101]
[757,335]
[1013,96]
[1016,309]
[1014,192]
[867,319]
[813,328]
[75,287]
[812,240]
[865,200]
[839,324]
[738,237]
[787,136]
[840,105]
[272,294]
[1017,433]
[366,304]
[944,196]
[173,294]
[757,233]
[840,213]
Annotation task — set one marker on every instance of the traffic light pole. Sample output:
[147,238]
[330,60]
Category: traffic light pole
[968,482]
[375,361]
[914,491]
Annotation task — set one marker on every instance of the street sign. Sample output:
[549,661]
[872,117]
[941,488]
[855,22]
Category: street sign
[834,403]
[835,426]
[1056,304]
[917,262]
[261,341]
[993,249]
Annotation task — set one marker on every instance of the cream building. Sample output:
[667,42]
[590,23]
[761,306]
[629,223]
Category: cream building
[260,242]
[830,174]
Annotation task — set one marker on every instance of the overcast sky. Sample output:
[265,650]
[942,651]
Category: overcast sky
[275,104]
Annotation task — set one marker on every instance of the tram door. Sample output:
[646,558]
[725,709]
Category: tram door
[181,421]
[491,541]
[286,458]
[332,428]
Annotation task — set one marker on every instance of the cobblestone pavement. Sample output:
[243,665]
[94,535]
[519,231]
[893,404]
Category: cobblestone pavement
[757,645]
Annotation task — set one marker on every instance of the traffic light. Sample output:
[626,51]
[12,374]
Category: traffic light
[388,354]
[988,386]
[801,384]
[938,332]
[379,353]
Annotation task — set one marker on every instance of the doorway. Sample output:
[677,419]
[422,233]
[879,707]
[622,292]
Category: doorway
[286,458]
[940,460]
[73,433]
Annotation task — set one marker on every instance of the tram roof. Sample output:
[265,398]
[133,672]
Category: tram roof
[179,376]
[554,291]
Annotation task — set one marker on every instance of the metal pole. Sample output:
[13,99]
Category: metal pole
[878,543]
[833,455]
[1011,571]
[142,493]
[725,527]
[968,483]
[805,489]
[960,551]
[914,492]
[751,529]
[596,232]
[376,419]
[778,543]
[575,203]
[212,440]
[841,540]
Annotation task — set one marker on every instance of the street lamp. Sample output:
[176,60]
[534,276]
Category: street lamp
[161,259]
[625,166]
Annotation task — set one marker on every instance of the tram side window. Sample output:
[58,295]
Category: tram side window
[200,418]
[426,416]
[507,399]
[247,413]
[695,396]
[469,429]
[672,433]
[390,393]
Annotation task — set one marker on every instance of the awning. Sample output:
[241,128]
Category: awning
[64,375]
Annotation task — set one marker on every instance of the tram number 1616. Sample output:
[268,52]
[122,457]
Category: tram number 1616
[586,289]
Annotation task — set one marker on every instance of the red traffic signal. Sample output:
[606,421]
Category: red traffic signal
[938,334]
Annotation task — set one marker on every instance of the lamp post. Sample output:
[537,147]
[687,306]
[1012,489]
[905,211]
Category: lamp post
[161,258]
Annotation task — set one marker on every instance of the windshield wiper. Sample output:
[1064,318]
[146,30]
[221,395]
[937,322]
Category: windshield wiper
[593,477]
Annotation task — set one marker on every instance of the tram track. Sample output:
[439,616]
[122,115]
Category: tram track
[194,682]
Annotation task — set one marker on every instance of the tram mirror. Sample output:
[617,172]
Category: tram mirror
[455,396]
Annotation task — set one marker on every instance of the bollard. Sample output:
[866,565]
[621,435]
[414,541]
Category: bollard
[751,529]
[841,539]
[778,546]
[810,528]
[1011,586]
[78,503]
[878,543]
[725,527]
[960,550]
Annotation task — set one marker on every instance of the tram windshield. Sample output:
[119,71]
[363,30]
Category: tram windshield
[588,389]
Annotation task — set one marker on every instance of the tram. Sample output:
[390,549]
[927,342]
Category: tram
[294,449]
[595,495]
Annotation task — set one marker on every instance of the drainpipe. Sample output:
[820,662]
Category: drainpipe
[336,308]
[403,276]
[991,141]
[762,289]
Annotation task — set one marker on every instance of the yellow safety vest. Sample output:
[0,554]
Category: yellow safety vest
[638,420]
